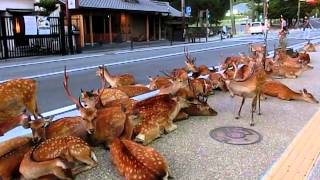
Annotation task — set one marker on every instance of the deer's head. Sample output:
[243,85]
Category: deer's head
[88,113]
[308,97]
[200,108]
[38,128]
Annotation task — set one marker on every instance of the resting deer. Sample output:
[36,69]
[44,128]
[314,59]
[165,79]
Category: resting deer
[16,96]
[135,161]
[159,82]
[190,65]
[133,90]
[105,123]
[48,157]
[217,81]
[11,155]
[248,88]
[285,71]
[281,91]
[115,81]
[157,115]
[309,47]
[43,129]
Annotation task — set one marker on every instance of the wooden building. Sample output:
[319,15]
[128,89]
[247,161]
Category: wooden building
[107,21]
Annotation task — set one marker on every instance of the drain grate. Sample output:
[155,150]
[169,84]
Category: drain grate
[236,135]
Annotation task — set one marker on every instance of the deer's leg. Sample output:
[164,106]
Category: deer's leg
[87,157]
[253,108]
[60,173]
[149,134]
[181,116]
[242,102]
[259,101]
[32,107]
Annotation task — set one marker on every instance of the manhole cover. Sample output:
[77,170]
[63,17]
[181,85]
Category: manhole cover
[236,135]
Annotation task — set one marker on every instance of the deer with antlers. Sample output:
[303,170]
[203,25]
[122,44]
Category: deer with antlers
[49,157]
[281,91]
[115,81]
[16,96]
[248,88]
[190,64]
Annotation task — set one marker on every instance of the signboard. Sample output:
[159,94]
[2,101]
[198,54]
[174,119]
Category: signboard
[30,25]
[43,24]
[71,4]
[188,10]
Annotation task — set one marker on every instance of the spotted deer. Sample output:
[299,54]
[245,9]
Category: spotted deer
[157,115]
[11,155]
[105,123]
[16,96]
[309,47]
[115,81]
[281,91]
[248,88]
[43,129]
[159,82]
[190,65]
[68,149]
[135,161]
[217,81]
[134,90]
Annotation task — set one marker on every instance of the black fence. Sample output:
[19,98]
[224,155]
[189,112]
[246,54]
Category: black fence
[53,41]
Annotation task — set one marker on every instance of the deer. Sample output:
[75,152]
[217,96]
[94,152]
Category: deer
[309,47]
[248,88]
[43,129]
[115,81]
[18,95]
[13,122]
[159,82]
[48,157]
[11,154]
[135,161]
[104,123]
[190,65]
[217,81]
[285,71]
[157,115]
[281,91]
[134,90]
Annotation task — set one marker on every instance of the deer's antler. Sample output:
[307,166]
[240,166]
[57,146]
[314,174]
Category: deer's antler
[67,90]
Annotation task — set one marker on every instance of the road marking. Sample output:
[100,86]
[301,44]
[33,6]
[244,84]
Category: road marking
[51,61]
[127,62]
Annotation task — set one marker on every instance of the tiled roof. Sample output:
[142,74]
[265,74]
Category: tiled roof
[137,5]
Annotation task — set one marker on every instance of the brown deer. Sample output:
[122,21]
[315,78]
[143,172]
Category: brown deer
[11,155]
[135,161]
[157,115]
[217,81]
[133,90]
[159,82]
[190,65]
[249,88]
[14,122]
[281,91]
[116,81]
[67,148]
[16,96]
[309,47]
[43,129]
[105,123]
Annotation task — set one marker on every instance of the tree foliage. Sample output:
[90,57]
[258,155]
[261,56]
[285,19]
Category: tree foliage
[217,8]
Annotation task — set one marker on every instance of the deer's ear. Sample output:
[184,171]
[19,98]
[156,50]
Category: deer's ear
[305,91]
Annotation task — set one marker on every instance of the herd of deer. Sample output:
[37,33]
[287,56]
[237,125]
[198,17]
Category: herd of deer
[110,116]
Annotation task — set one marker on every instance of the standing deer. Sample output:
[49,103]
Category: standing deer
[56,151]
[11,155]
[281,91]
[115,81]
[248,88]
[16,96]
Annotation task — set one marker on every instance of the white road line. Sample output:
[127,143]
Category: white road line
[128,61]
[51,61]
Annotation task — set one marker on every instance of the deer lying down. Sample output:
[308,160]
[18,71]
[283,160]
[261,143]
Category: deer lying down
[43,129]
[281,91]
[50,155]
[133,90]
[115,81]
[11,155]
[157,115]
[135,161]
[309,47]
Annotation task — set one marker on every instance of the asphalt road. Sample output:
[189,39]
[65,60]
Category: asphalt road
[150,62]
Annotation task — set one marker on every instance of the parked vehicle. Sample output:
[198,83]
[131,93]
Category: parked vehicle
[256,28]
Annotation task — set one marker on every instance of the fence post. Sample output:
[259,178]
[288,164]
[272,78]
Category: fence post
[4,37]
[62,34]
[131,44]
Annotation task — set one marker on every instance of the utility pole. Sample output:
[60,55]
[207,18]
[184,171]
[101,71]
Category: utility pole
[265,17]
[298,12]
[183,7]
[233,24]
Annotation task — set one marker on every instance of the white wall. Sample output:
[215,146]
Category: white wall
[16,4]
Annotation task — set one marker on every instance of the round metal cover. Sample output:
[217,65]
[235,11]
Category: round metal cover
[236,135]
